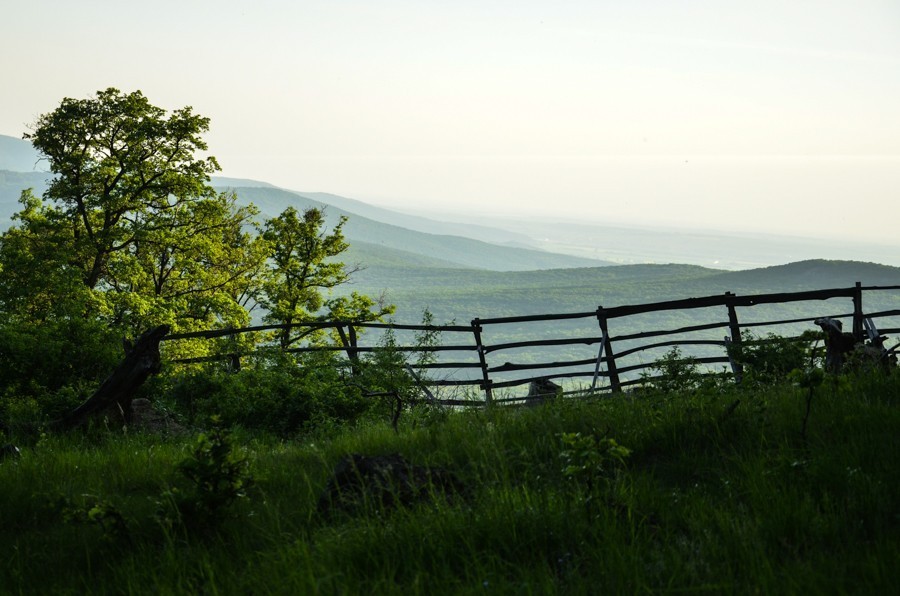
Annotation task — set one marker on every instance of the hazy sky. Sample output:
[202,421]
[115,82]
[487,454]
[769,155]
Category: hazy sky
[768,115]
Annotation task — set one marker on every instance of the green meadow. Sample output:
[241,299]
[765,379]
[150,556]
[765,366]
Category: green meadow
[710,489]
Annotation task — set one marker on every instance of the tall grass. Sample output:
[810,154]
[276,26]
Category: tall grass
[713,498]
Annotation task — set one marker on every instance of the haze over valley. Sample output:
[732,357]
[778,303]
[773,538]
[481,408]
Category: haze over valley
[511,242]
[778,120]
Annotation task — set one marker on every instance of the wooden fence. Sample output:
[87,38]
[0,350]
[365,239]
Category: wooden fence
[606,365]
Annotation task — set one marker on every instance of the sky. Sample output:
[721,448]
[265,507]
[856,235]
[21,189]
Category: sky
[771,116]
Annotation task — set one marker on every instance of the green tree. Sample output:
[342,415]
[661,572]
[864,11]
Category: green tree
[303,272]
[130,234]
[118,162]
[37,281]
[130,215]
[200,271]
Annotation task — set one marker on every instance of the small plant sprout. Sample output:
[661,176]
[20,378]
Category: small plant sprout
[218,477]
[587,457]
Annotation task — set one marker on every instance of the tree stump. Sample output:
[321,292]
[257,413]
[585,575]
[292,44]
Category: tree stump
[114,396]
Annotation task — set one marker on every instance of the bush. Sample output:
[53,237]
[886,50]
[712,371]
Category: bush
[47,356]
[771,359]
[218,476]
[280,397]
[676,373]
[50,367]
[396,374]
[23,416]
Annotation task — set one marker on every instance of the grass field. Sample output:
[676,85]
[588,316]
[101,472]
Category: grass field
[722,492]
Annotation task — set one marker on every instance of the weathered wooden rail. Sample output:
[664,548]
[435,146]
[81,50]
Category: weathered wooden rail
[611,349]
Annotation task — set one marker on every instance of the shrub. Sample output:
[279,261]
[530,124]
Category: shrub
[771,359]
[395,374]
[92,510]
[676,373]
[587,457]
[41,358]
[281,396]
[218,477]
[50,367]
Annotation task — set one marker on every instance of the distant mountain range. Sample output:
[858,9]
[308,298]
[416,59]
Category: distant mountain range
[378,236]
[19,156]
[370,238]
[459,271]
[387,241]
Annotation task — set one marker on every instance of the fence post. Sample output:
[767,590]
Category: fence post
[610,357]
[597,367]
[735,329]
[485,377]
[857,312]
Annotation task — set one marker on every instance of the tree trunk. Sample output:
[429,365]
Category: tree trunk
[141,360]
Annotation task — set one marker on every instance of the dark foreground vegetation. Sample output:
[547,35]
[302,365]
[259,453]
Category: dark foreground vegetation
[697,488]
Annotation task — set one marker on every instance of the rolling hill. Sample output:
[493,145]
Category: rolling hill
[464,294]
[494,235]
[375,241]
[383,238]
[11,186]
[19,156]
[459,296]
[371,234]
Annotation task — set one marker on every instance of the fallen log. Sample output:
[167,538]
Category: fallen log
[114,396]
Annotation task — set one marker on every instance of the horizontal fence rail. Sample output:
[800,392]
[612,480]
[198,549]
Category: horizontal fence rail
[611,359]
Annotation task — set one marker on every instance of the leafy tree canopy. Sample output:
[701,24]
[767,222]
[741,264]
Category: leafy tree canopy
[304,270]
[130,234]
[131,218]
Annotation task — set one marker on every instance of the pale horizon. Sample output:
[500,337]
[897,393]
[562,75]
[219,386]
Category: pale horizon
[771,118]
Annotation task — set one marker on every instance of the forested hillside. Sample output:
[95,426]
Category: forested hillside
[464,294]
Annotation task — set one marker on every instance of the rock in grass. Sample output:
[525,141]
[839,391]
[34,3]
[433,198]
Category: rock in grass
[384,480]
[145,418]
[9,451]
